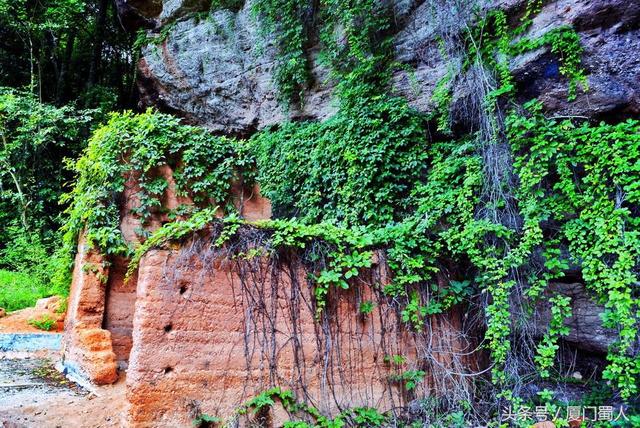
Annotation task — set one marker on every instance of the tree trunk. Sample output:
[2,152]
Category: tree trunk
[101,18]
[64,67]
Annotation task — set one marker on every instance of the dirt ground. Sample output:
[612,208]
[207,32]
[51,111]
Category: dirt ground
[18,321]
[33,394]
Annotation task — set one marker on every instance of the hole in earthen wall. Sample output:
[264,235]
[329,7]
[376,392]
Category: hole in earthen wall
[167,370]
[183,289]
[168,328]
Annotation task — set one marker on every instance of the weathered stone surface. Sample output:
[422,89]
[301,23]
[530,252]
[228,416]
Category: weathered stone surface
[120,295]
[610,37]
[119,306]
[173,9]
[217,71]
[586,330]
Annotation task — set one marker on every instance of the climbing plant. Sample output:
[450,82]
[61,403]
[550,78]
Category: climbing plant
[357,167]
[444,198]
[136,146]
[583,177]
[286,21]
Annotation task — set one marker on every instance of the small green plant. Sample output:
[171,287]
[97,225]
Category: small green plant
[455,420]
[367,307]
[206,421]
[43,323]
[546,352]
[414,312]
[62,307]
[359,416]
[410,378]
[368,417]
[234,5]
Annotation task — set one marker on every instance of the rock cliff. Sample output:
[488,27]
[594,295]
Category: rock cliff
[214,68]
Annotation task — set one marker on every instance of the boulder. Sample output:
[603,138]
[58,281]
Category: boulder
[49,303]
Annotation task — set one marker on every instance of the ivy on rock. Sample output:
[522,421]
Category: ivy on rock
[373,178]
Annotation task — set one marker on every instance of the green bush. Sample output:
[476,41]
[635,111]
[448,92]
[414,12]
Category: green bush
[26,253]
[31,270]
[19,290]
[358,167]
[209,166]
[35,140]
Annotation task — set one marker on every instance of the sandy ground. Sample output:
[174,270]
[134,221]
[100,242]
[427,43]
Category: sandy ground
[34,394]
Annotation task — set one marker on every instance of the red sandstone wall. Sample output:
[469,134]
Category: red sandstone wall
[204,340]
[120,303]
[120,296]
[87,349]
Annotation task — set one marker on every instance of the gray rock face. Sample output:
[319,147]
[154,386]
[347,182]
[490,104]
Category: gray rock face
[209,70]
[609,33]
[586,331]
[216,70]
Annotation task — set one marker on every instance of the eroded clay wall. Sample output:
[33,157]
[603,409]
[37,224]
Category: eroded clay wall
[87,348]
[113,299]
[120,303]
[210,333]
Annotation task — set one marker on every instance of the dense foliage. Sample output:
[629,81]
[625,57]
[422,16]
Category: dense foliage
[584,179]
[35,139]
[358,167]
[204,168]
[57,58]
[64,50]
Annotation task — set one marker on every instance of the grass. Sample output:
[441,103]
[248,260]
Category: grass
[19,290]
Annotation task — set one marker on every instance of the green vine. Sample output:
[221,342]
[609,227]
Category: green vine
[591,173]
[560,311]
[140,144]
[284,20]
